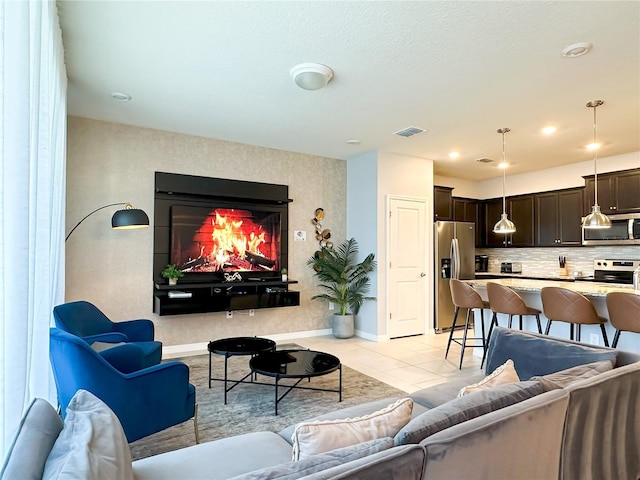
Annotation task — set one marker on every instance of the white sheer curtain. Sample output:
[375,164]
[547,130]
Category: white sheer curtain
[33,86]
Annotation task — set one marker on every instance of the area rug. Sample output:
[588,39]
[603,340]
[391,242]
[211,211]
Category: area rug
[250,408]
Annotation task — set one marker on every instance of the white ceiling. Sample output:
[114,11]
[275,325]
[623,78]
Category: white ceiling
[459,69]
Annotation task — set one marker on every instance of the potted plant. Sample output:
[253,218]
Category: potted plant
[344,282]
[173,273]
[284,272]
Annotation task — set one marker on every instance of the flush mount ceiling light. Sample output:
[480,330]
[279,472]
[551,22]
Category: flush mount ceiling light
[504,225]
[549,130]
[311,76]
[121,96]
[595,219]
[576,49]
[454,155]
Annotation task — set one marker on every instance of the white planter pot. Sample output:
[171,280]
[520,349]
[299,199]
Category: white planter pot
[343,326]
[173,281]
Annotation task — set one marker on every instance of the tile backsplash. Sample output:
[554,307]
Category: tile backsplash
[544,261]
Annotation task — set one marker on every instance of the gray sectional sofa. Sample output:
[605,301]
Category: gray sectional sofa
[574,414]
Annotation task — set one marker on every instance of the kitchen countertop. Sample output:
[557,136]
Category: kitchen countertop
[567,278]
[589,289]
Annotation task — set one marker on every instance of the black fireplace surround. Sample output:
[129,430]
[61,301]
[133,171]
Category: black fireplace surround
[230,237]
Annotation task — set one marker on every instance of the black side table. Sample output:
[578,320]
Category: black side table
[296,364]
[235,346]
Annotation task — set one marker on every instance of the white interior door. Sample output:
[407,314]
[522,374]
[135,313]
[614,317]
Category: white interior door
[406,271]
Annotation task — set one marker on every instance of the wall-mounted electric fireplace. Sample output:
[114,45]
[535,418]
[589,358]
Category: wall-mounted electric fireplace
[229,238]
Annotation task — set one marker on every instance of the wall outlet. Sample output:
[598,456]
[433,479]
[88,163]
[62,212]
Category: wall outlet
[332,306]
[594,339]
[229,314]
[252,312]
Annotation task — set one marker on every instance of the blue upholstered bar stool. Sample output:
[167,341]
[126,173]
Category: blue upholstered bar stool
[624,313]
[464,296]
[564,305]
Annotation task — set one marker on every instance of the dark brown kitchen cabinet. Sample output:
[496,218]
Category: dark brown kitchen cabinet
[618,192]
[557,217]
[492,213]
[520,210]
[521,213]
[442,203]
[466,210]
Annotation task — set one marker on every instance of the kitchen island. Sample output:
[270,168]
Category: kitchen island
[530,289]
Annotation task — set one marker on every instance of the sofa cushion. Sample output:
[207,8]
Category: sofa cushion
[464,408]
[566,377]
[318,463]
[92,443]
[528,349]
[311,438]
[216,460]
[406,462]
[505,373]
[32,442]
[437,395]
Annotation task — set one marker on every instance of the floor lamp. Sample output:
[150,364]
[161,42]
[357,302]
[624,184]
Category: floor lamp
[125,218]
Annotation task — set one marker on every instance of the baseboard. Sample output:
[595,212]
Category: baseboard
[186,350]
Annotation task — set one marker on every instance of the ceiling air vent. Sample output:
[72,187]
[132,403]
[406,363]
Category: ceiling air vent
[484,160]
[409,131]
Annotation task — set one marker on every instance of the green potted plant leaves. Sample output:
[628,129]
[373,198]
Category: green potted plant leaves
[173,273]
[344,282]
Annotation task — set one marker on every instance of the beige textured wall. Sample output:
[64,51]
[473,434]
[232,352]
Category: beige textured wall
[108,163]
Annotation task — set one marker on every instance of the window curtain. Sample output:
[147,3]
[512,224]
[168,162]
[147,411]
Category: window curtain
[33,86]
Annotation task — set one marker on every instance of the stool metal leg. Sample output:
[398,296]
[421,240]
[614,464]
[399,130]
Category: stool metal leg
[464,338]
[616,337]
[539,324]
[484,339]
[453,326]
[604,335]
[546,330]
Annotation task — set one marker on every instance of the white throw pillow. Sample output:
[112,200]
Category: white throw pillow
[92,444]
[310,438]
[505,373]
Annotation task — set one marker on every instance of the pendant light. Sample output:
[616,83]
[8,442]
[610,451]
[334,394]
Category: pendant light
[595,219]
[504,225]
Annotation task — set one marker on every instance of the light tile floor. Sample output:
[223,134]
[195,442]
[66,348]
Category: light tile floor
[408,363]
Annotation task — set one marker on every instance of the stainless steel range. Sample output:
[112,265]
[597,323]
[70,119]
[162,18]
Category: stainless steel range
[614,271]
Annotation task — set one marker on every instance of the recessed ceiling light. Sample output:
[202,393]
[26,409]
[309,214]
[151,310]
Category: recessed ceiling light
[593,146]
[121,96]
[503,165]
[353,141]
[576,49]
[454,155]
[549,130]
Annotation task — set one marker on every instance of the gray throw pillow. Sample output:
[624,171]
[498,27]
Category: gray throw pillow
[318,463]
[566,377]
[465,408]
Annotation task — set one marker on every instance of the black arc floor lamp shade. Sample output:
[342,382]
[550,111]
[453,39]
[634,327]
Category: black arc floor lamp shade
[125,218]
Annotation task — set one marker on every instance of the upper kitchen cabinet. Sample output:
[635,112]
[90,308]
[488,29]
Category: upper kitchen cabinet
[521,212]
[466,210]
[442,203]
[618,192]
[557,218]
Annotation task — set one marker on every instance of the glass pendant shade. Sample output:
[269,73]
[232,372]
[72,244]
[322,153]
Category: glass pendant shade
[504,225]
[596,219]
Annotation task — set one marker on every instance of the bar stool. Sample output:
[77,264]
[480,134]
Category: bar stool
[563,305]
[464,296]
[624,313]
[504,300]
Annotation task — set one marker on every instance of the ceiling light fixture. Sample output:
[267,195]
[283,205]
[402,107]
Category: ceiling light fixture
[595,219]
[549,130]
[121,96]
[311,76]
[454,155]
[353,141]
[576,50]
[504,225]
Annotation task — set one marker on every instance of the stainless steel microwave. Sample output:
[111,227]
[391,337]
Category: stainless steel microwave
[625,230]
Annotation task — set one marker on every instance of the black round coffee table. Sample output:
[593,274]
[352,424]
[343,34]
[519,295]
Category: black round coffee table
[234,346]
[296,364]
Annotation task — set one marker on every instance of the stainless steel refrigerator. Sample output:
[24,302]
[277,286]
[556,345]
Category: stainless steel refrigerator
[454,249]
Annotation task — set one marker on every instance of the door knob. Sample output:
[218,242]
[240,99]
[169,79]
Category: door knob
[422,274]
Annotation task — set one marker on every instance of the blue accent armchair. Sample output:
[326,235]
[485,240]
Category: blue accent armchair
[86,321]
[145,401]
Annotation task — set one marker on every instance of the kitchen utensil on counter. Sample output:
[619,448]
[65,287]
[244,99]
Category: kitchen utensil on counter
[564,271]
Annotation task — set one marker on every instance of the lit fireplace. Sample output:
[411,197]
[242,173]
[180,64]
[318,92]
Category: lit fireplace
[225,240]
